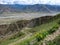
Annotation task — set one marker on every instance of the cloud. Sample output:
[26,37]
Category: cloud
[52,2]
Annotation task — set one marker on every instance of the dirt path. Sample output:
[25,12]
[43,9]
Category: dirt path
[51,37]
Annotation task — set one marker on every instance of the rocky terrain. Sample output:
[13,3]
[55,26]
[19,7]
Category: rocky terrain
[18,25]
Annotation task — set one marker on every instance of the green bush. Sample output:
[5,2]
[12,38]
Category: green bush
[41,35]
[53,29]
[59,22]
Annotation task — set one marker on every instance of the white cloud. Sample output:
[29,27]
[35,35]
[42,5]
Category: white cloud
[52,2]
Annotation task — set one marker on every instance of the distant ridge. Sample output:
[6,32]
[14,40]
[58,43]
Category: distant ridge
[29,8]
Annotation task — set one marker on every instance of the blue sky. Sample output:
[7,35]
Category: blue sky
[30,2]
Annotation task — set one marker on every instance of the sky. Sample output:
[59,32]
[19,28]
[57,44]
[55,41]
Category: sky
[30,2]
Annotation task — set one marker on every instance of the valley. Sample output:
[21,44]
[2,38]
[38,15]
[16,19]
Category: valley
[27,29]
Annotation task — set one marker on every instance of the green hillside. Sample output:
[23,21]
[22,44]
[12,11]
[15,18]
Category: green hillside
[34,35]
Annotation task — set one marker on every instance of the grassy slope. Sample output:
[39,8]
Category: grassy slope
[37,29]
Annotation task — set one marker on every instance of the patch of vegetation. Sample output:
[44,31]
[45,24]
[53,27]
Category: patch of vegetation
[59,22]
[53,29]
[41,35]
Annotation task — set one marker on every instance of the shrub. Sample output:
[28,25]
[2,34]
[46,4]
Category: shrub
[41,35]
[53,29]
[59,22]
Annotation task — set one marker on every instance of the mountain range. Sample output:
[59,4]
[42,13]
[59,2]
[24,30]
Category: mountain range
[29,8]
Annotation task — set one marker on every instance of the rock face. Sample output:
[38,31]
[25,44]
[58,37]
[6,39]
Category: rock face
[17,26]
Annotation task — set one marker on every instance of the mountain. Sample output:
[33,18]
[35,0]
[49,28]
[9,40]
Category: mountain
[29,8]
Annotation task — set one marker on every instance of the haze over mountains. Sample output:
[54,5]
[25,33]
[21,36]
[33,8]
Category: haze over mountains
[29,8]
